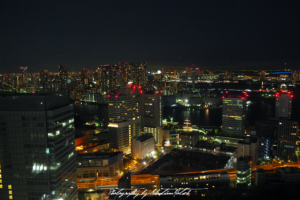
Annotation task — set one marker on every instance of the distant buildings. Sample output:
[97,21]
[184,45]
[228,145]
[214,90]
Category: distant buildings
[142,146]
[233,115]
[93,165]
[37,147]
[283,107]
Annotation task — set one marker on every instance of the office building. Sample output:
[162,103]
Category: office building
[244,171]
[157,133]
[288,140]
[135,73]
[188,139]
[151,109]
[233,115]
[248,147]
[124,118]
[37,147]
[92,165]
[283,107]
[283,178]
[142,146]
[264,148]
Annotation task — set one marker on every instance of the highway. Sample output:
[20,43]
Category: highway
[148,179]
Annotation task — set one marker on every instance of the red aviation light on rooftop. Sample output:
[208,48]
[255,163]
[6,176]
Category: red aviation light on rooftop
[223,97]
[134,87]
[226,91]
[108,95]
[277,94]
[140,87]
[141,91]
[156,92]
[161,91]
[131,92]
[242,97]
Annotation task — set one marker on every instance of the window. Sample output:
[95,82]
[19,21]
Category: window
[9,187]
[10,197]
[10,192]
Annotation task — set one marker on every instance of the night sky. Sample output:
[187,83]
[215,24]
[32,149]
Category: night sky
[173,34]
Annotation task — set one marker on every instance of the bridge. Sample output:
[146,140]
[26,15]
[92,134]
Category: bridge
[148,180]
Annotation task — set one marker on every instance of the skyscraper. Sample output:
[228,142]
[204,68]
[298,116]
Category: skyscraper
[233,114]
[37,147]
[124,118]
[288,141]
[24,75]
[151,107]
[283,107]
[63,74]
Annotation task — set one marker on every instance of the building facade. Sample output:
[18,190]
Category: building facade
[244,171]
[124,119]
[142,146]
[288,140]
[37,147]
[93,165]
[233,115]
[283,107]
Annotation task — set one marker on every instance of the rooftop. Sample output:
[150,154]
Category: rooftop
[97,155]
[144,137]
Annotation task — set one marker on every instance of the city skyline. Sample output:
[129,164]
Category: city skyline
[211,35]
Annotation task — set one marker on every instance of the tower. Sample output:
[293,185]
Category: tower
[63,74]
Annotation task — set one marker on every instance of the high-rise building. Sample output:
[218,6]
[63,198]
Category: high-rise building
[24,75]
[124,118]
[283,107]
[84,74]
[244,171]
[233,114]
[135,73]
[152,112]
[37,147]
[63,74]
[288,140]
[248,147]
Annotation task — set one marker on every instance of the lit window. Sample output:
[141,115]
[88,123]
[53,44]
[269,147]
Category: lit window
[10,197]
[10,192]
[1,186]
[9,187]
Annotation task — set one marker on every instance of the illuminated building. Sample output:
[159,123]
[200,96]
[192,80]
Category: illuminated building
[84,74]
[63,74]
[24,75]
[283,107]
[93,165]
[124,118]
[233,114]
[44,78]
[195,180]
[244,171]
[151,109]
[288,140]
[142,146]
[188,139]
[37,150]
[249,147]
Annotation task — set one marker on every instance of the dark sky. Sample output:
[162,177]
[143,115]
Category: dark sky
[212,34]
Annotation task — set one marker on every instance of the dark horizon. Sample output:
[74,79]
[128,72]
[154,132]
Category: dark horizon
[211,35]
